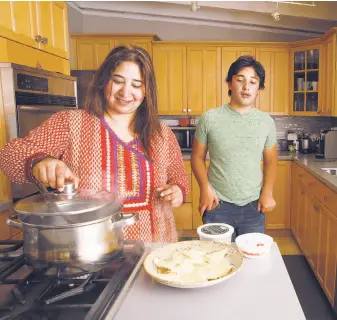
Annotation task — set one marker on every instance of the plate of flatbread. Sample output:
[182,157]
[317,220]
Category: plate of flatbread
[193,264]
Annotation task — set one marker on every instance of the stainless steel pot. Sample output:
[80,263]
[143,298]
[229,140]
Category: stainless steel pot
[79,230]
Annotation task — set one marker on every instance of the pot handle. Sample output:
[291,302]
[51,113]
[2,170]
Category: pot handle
[127,220]
[14,224]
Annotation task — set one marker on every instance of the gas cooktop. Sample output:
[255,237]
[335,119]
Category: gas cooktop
[27,293]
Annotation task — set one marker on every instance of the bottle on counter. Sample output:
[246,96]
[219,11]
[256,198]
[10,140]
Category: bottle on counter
[296,145]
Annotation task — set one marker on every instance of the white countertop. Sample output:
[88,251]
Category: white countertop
[261,290]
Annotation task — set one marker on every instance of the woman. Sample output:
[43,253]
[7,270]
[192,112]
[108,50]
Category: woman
[117,145]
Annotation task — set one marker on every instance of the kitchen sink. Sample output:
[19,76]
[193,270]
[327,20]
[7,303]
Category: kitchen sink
[331,171]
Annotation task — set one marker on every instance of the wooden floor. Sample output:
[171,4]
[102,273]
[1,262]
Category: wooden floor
[284,239]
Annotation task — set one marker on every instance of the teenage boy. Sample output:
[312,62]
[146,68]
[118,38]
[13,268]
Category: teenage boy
[237,136]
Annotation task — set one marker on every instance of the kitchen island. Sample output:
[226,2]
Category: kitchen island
[261,290]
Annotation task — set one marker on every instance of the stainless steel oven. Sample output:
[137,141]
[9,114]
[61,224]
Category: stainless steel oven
[30,97]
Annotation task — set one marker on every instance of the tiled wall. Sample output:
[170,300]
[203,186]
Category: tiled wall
[283,124]
[334,122]
[307,125]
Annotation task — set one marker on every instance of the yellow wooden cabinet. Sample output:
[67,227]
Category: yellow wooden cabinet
[203,78]
[170,69]
[41,24]
[5,189]
[89,51]
[197,221]
[294,217]
[306,80]
[17,21]
[274,98]
[183,214]
[329,87]
[52,26]
[228,56]
[14,52]
[144,43]
[327,253]
[279,218]
[314,225]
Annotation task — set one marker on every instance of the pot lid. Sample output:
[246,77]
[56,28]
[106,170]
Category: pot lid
[68,207]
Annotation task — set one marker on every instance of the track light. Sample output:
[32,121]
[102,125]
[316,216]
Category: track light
[276,16]
[194,6]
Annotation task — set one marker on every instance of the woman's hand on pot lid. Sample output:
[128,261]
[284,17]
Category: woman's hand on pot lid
[53,173]
[171,193]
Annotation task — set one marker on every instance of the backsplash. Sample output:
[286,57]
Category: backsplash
[334,122]
[285,123]
[307,125]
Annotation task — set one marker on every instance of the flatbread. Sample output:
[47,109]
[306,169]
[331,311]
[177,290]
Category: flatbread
[190,265]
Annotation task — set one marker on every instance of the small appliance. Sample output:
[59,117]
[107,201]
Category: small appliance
[304,144]
[327,147]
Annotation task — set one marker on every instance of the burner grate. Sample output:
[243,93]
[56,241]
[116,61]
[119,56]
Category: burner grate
[39,294]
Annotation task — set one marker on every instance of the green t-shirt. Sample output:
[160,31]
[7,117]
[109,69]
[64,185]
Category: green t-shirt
[235,143]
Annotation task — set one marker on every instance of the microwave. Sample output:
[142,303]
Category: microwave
[185,137]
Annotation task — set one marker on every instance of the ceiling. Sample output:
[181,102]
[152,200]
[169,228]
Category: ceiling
[308,21]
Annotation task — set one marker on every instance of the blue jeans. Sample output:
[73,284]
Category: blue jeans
[244,219]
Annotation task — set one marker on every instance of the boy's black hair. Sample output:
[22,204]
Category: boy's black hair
[244,62]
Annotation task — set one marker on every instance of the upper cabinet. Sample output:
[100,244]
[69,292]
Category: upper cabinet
[89,51]
[42,25]
[52,27]
[306,80]
[144,43]
[274,98]
[203,78]
[229,55]
[17,21]
[170,69]
[329,75]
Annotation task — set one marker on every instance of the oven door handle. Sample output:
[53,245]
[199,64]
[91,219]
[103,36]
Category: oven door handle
[45,108]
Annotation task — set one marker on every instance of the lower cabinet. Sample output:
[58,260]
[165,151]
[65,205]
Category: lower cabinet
[279,218]
[183,214]
[315,226]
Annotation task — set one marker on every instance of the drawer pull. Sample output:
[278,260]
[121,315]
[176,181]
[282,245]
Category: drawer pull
[326,198]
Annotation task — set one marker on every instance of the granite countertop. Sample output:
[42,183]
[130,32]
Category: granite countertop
[307,161]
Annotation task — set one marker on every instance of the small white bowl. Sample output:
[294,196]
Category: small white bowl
[220,232]
[254,245]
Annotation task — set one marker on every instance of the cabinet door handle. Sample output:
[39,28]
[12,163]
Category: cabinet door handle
[44,40]
[189,110]
[38,38]
[326,198]
[184,110]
